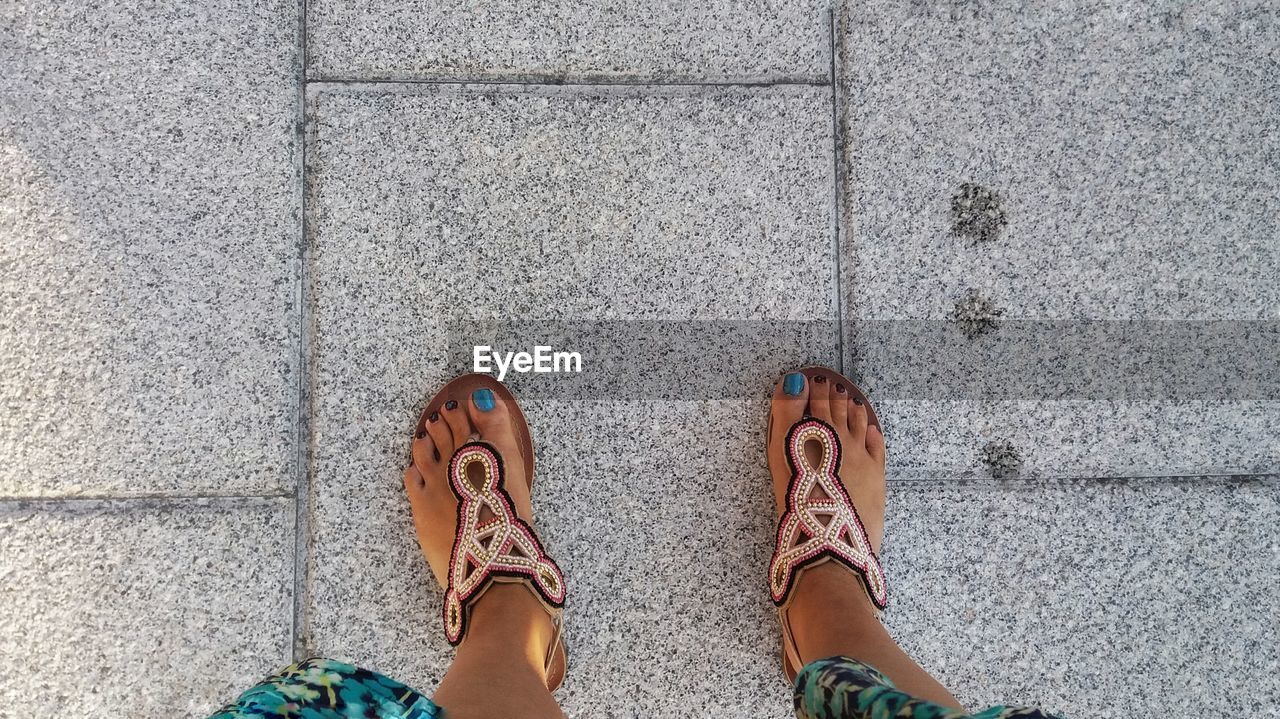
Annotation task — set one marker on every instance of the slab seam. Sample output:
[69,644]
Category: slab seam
[301,459]
[836,179]
[1050,482]
[564,82]
[142,499]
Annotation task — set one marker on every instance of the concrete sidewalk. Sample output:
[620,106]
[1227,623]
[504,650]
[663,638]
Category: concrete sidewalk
[235,235]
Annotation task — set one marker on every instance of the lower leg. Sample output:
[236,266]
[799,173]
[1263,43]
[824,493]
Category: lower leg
[831,615]
[500,666]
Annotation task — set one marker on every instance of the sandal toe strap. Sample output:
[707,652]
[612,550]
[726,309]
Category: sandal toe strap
[492,543]
[820,522]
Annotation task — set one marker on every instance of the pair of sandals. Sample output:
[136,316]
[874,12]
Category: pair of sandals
[493,545]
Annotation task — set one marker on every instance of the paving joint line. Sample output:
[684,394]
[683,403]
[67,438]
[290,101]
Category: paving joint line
[302,377]
[153,497]
[561,82]
[1202,480]
[837,137]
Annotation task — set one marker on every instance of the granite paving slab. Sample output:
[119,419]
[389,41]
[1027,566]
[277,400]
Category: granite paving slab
[431,207]
[1093,599]
[148,197]
[139,609]
[1085,163]
[569,40]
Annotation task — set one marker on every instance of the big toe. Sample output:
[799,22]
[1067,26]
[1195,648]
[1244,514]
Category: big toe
[491,416]
[790,398]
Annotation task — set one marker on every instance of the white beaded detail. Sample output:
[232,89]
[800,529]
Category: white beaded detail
[815,494]
[500,546]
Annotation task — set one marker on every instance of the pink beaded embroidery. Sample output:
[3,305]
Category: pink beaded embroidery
[820,521]
[501,545]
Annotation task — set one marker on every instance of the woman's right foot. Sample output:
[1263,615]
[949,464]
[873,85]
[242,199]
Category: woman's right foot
[862,445]
[829,592]
[829,611]
[505,613]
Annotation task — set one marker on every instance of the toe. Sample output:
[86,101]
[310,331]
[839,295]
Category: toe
[456,418]
[414,483]
[858,421]
[424,452]
[488,414]
[790,397]
[839,405]
[820,398]
[875,444]
[441,436]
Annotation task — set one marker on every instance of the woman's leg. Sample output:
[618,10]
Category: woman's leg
[499,669]
[829,611]
[831,616]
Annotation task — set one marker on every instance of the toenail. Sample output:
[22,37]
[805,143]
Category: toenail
[451,404]
[435,417]
[840,388]
[857,400]
[793,384]
[483,399]
[819,379]
[422,432]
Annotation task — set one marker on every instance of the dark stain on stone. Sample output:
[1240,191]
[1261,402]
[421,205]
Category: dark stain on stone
[1002,459]
[977,213]
[975,315]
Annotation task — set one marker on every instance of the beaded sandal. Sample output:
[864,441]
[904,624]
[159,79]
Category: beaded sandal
[819,523]
[492,544]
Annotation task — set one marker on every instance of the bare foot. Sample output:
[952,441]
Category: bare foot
[820,588]
[486,417]
[829,611]
[862,446]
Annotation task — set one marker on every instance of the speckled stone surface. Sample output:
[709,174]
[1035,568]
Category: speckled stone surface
[1115,599]
[1104,161]
[141,610]
[431,206]
[1080,438]
[148,199]
[620,41]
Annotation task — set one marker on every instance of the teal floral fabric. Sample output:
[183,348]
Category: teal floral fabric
[844,688]
[326,689]
[835,688]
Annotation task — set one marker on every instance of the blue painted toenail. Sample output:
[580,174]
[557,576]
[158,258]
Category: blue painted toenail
[793,384]
[483,399]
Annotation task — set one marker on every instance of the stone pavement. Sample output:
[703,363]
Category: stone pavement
[238,238]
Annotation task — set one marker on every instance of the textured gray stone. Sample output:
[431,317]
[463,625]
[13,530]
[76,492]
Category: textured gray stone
[618,41]
[137,610]
[1081,439]
[149,202]
[1124,163]
[1093,599]
[430,205]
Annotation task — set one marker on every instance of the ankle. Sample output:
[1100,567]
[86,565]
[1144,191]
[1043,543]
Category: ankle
[509,625]
[831,614]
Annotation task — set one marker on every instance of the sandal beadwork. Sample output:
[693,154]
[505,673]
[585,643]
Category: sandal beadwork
[803,537]
[500,546]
